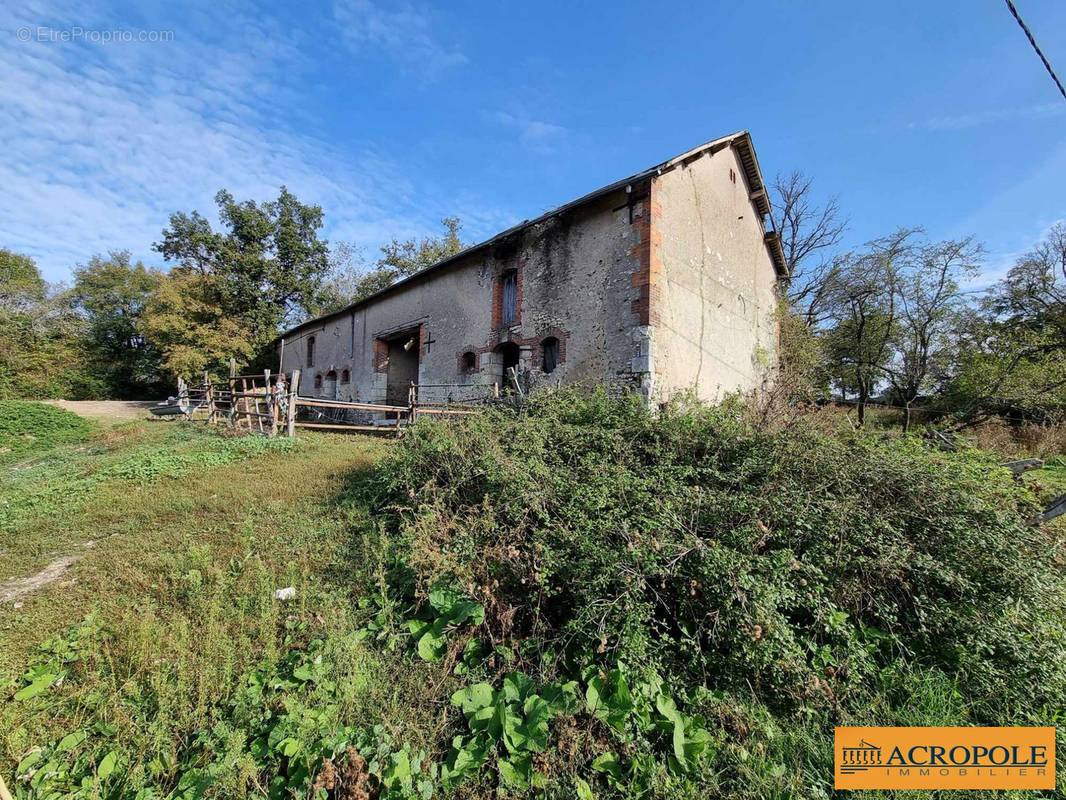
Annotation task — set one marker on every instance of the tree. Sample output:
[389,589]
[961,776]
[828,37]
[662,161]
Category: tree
[1011,353]
[861,303]
[112,293]
[410,256]
[1033,295]
[348,280]
[928,301]
[806,229]
[41,336]
[185,319]
[21,284]
[264,270]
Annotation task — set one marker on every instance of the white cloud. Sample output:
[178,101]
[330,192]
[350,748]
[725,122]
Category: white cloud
[402,31]
[975,119]
[534,134]
[102,142]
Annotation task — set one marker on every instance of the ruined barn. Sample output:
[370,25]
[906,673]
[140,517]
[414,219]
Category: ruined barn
[661,282]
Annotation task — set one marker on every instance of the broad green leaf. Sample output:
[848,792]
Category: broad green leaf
[467,611]
[609,763]
[465,758]
[583,790]
[417,627]
[535,725]
[679,743]
[668,708]
[433,642]
[473,698]
[514,733]
[398,771]
[28,762]
[561,698]
[107,765]
[593,695]
[71,740]
[517,770]
[289,747]
[39,684]
[517,687]
[444,600]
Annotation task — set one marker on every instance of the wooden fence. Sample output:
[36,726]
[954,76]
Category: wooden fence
[270,403]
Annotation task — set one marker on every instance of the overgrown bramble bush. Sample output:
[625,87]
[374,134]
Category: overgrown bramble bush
[817,572]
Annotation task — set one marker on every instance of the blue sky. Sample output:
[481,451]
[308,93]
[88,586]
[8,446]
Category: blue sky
[393,115]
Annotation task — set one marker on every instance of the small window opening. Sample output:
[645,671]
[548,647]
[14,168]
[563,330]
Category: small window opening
[510,297]
[310,351]
[318,381]
[346,376]
[549,358]
[469,361]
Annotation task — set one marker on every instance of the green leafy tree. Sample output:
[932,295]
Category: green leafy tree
[349,280]
[928,300]
[409,256]
[263,270]
[1011,352]
[42,337]
[21,284]
[112,293]
[863,315]
[185,318]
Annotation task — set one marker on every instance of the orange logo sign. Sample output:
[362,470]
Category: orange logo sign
[945,758]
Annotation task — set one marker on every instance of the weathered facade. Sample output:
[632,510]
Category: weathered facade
[664,281]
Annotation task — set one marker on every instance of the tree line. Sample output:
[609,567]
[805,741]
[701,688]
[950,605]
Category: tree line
[903,319]
[125,330]
[897,321]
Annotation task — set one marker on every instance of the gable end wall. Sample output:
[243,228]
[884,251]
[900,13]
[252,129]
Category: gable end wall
[715,286]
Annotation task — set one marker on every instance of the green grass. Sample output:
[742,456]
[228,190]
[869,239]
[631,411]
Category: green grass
[27,428]
[185,536]
[160,664]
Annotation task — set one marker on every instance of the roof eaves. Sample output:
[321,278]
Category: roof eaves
[740,140]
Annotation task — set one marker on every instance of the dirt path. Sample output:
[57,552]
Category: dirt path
[14,589]
[107,412]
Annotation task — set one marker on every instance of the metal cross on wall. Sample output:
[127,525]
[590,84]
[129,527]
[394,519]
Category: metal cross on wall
[429,340]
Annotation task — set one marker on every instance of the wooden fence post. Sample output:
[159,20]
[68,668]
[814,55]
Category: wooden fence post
[271,404]
[290,412]
[210,397]
[232,392]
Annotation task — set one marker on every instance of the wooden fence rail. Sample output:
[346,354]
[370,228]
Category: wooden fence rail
[270,403]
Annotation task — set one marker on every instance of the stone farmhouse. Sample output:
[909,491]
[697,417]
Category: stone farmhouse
[661,282]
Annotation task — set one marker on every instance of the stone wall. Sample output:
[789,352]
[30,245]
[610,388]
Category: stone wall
[575,284]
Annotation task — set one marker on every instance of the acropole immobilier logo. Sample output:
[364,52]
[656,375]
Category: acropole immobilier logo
[945,758]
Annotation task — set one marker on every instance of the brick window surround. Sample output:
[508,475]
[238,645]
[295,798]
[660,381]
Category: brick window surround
[497,298]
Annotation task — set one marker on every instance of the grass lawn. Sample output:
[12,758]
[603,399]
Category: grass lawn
[182,536]
[143,502]
[144,653]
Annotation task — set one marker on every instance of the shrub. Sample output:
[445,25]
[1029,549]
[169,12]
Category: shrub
[821,573]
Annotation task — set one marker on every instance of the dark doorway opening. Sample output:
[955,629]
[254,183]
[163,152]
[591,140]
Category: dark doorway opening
[508,354]
[403,367]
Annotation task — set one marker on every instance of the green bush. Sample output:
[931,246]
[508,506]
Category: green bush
[833,580]
[27,426]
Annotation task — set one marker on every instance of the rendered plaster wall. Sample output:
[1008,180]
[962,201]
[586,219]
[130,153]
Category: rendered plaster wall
[715,297]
